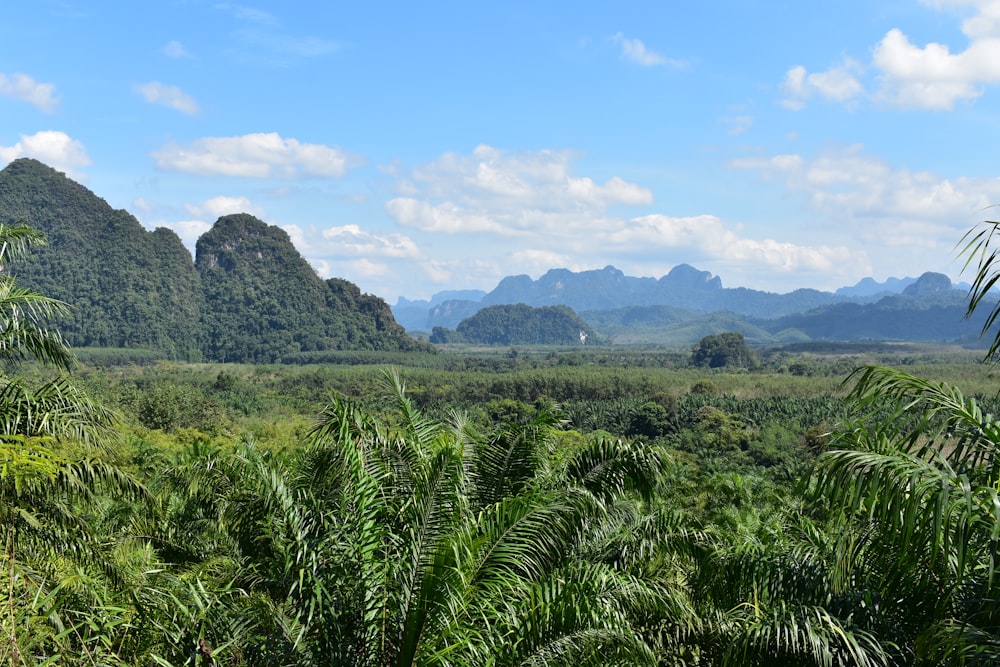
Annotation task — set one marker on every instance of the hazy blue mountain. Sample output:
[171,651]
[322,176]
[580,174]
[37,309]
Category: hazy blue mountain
[867,287]
[609,289]
[414,314]
[687,304]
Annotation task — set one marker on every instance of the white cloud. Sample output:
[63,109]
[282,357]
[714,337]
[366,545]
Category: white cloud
[849,184]
[711,237]
[506,194]
[54,148]
[932,77]
[882,208]
[174,49]
[445,217]
[635,51]
[536,261]
[23,87]
[188,230]
[256,156]
[910,76]
[365,267]
[838,84]
[349,240]
[540,215]
[216,207]
[155,92]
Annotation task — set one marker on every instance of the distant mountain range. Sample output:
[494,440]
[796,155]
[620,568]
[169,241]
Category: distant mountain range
[687,304]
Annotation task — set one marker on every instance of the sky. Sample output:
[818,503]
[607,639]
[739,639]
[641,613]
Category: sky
[416,147]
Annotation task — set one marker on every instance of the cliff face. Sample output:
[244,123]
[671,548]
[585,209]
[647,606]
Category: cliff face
[249,295]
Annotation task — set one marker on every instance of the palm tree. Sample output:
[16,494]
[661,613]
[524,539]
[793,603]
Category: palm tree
[48,548]
[419,542]
[24,312]
[917,475]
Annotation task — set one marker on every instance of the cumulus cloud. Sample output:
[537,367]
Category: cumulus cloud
[541,214]
[256,156]
[155,92]
[506,193]
[54,148]
[838,84]
[216,207]
[636,52]
[352,240]
[23,87]
[850,184]
[711,237]
[933,76]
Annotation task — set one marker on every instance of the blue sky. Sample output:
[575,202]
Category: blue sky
[418,147]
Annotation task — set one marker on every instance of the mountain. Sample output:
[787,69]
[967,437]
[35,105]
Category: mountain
[687,304]
[518,324]
[609,289]
[413,315]
[264,301]
[128,287]
[869,287]
[925,312]
[247,296]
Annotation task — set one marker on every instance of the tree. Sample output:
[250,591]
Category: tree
[417,542]
[916,475]
[979,251]
[23,312]
[723,349]
[43,494]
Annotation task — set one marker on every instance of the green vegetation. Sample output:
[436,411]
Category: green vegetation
[724,349]
[808,505]
[519,325]
[263,301]
[249,296]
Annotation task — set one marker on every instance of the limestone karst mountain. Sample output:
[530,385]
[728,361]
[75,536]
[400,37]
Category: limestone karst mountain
[247,296]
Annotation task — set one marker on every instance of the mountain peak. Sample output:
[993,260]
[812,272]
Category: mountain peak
[929,283]
[685,275]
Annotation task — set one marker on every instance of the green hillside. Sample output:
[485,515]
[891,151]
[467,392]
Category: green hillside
[248,296]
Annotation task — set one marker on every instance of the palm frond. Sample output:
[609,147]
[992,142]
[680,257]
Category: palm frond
[977,247]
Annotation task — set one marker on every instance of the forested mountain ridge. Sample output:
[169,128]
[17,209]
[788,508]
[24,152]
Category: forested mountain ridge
[263,300]
[128,287]
[687,304]
[248,296]
[683,288]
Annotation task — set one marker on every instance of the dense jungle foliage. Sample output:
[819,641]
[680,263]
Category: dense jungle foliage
[248,296]
[539,506]
[519,324]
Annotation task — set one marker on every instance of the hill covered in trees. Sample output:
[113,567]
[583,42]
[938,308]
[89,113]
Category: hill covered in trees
[248,296]
[686,305]
[518,324]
